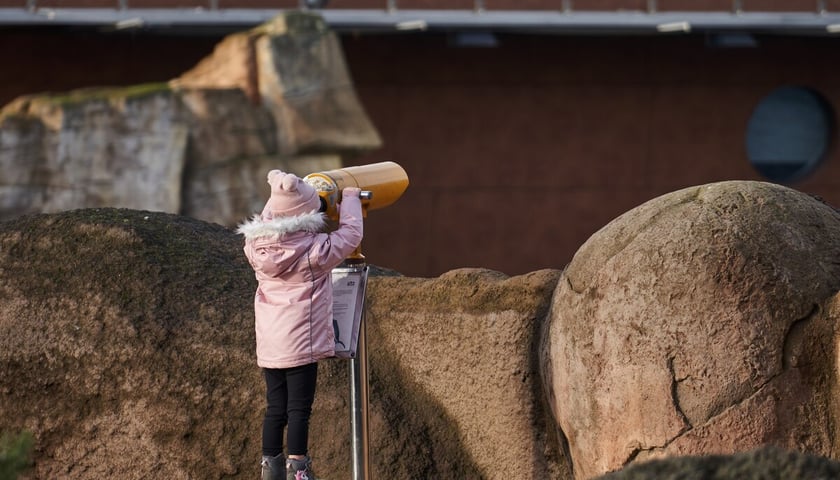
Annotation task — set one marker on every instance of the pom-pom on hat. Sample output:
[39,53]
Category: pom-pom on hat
[290,196]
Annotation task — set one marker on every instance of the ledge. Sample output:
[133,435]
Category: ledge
[175,20]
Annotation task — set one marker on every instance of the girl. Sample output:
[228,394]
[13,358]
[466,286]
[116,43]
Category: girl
[292,258]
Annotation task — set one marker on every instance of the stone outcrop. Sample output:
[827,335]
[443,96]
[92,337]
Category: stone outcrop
[124,344]
[126,347]
[458,365]
[277,96]
[699,322]
[293,67]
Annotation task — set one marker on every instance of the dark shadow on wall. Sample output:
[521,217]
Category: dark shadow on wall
[423,442]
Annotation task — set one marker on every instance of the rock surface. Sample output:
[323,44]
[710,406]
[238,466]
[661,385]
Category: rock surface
[458,363]
[126,347]
[124,344]
[702,323]
[277,96]
[699,322]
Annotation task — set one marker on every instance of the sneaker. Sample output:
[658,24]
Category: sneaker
[299,469]
[273,468]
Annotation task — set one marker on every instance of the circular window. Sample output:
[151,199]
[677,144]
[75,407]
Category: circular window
[789,133]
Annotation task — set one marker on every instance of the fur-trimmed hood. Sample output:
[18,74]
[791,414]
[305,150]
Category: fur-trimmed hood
[258,227]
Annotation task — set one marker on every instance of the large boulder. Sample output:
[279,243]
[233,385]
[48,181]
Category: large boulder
[125,345]
[295,67]
[276,96]
[101,147]
[699,322]
[127,349]
[458,376]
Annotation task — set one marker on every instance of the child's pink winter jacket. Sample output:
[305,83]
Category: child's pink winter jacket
[292,261]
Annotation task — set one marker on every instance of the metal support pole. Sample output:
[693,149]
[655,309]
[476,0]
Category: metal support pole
[359,379]
[358,405]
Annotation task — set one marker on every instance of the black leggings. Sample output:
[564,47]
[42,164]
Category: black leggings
[289,393]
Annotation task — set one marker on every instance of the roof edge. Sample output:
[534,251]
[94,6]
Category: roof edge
[383,21]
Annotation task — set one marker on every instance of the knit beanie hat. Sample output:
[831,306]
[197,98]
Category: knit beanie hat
[290,196]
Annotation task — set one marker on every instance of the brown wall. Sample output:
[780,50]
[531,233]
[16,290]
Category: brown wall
[516,154]
[51,59]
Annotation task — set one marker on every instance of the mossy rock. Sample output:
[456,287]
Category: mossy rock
[768,463]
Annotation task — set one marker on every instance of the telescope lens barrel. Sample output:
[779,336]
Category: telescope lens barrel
[381,183]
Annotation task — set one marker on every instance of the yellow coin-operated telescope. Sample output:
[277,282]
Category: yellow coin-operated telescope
[381,183]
